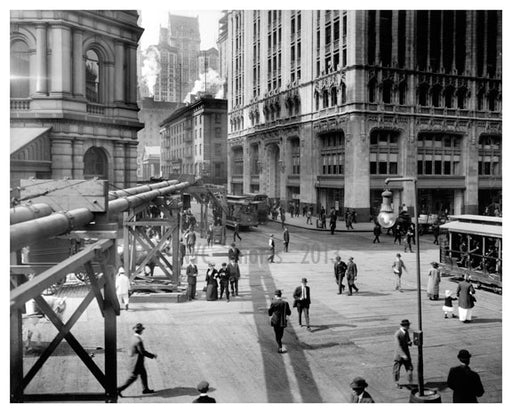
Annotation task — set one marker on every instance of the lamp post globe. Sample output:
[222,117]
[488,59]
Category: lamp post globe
[386,217]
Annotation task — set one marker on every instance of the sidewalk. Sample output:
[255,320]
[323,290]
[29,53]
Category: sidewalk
[300,222]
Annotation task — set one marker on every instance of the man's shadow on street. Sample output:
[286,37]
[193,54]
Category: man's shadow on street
[178,391]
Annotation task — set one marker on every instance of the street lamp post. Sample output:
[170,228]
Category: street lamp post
[387,219]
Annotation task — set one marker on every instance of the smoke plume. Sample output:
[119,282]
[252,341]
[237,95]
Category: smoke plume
[214,85]
[150,68]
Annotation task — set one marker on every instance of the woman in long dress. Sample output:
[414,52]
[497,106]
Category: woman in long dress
[466,292]
[434,278]
[211,283]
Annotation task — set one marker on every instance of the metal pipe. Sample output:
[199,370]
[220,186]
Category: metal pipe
[55,224]
[24,213]
[139,189]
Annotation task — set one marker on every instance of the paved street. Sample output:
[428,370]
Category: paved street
[232,344]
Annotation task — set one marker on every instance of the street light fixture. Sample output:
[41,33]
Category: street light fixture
[387,219]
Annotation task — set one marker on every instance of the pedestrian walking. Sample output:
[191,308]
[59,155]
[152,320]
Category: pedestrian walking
[376,232]
[448,303]
[409,235]
[302,300]
[190,237]
[123,288]
[353,215]
[464,382]
[435,232]
[137,354]
[183,252]
[351,274]
[211,283]
[339,272]
[398,267]
[272,248]
[191,279]
[466,296]
[304,210]
[359,394]
[236,233]
[402,353]
[234,253]
[234,276]
[348,219]
[203,388]
[223,276]
[283,218]
[278,312]
[333,217]
[209,235]
[434,279]
[309,214]
[286,239]
[397,234]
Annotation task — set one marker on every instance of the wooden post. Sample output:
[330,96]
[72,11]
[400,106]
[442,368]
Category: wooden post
[126,245]
[16,356]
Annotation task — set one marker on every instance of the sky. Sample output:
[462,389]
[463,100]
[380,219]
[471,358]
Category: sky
[152,18]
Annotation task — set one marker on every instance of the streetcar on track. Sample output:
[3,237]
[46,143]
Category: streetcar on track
[243,210]
[263,205]
[473,244]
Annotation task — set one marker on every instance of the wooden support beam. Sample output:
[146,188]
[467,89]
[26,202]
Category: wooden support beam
[110,286]
[64,397]
[16,341]
[142,238]
[95,286]
[149,223]
[32,268]
[20,295]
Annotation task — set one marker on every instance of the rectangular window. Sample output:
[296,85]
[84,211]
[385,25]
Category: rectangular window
[384,153]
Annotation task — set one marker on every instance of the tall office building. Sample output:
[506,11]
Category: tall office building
[326,104]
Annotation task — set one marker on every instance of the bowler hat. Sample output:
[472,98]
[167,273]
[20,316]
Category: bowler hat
[464,354]
[278,293]
[304,280]
[405,323]
[138,326]
[203,386]
[358,383]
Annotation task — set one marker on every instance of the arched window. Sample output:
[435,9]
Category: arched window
[325,99]
[423,95]
[402,93]
[372,90]
[436,96]
[20,70]
[92,77]
[334,96]
[95,163]
[492,100]
[387,88]
[480,99]
[461,98]
[343,93]
[448,97]
[317,101]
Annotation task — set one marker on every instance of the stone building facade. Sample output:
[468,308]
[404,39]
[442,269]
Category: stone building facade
[194,140]
[74,75]
[326,104]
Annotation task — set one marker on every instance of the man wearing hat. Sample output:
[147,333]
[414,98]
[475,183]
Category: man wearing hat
[122,288]
[278,311]
[339,273]
[191,279]
[464,382]
[359,394]
[223,275]
[233,252]
[351,273]
[302,300]
[203,388]
[402,353]
[137,354]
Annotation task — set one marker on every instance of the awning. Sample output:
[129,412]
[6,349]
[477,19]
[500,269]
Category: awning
[474,229]
[21,137]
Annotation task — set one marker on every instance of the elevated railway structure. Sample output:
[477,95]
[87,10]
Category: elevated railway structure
[85,210]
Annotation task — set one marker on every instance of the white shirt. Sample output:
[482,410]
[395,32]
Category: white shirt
[122,284]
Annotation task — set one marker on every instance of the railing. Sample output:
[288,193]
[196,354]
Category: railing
[20,104]
[95,109]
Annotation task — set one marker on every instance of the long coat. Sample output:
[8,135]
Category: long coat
[351,271]
[465,383]
[365,399]
[465,291]
[137,352]
[402,343]
[434,278]
[278,311]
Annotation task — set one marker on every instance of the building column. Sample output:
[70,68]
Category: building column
[131,77]
[309,164]
[377,38]
[470,156]
[284,164]
[263,167]
[78,64]
[78,159]
[499,46]
[61,61]
[110,82]
[41,60]
[486,35]
[130,178]
[119,164]
[394,31]
[119,75]
[229,167]
[357,169]
[62,158]
[246,177]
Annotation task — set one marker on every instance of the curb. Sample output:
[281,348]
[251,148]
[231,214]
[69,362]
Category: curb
[313,228]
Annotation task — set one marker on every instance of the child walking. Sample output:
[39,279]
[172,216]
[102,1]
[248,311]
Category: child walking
[448,303]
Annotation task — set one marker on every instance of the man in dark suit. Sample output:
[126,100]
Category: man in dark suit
[332,220]
[191,279]
[402,353]
[286,239]
[278,311]
[339,272]
[234,253]
[203,388]
[351,273]
[137,354]
[233,271]
[302,300]
[359,394]
[464,382]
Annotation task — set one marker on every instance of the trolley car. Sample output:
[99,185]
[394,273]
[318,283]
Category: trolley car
[262,203]
[241,210]
[473,244]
